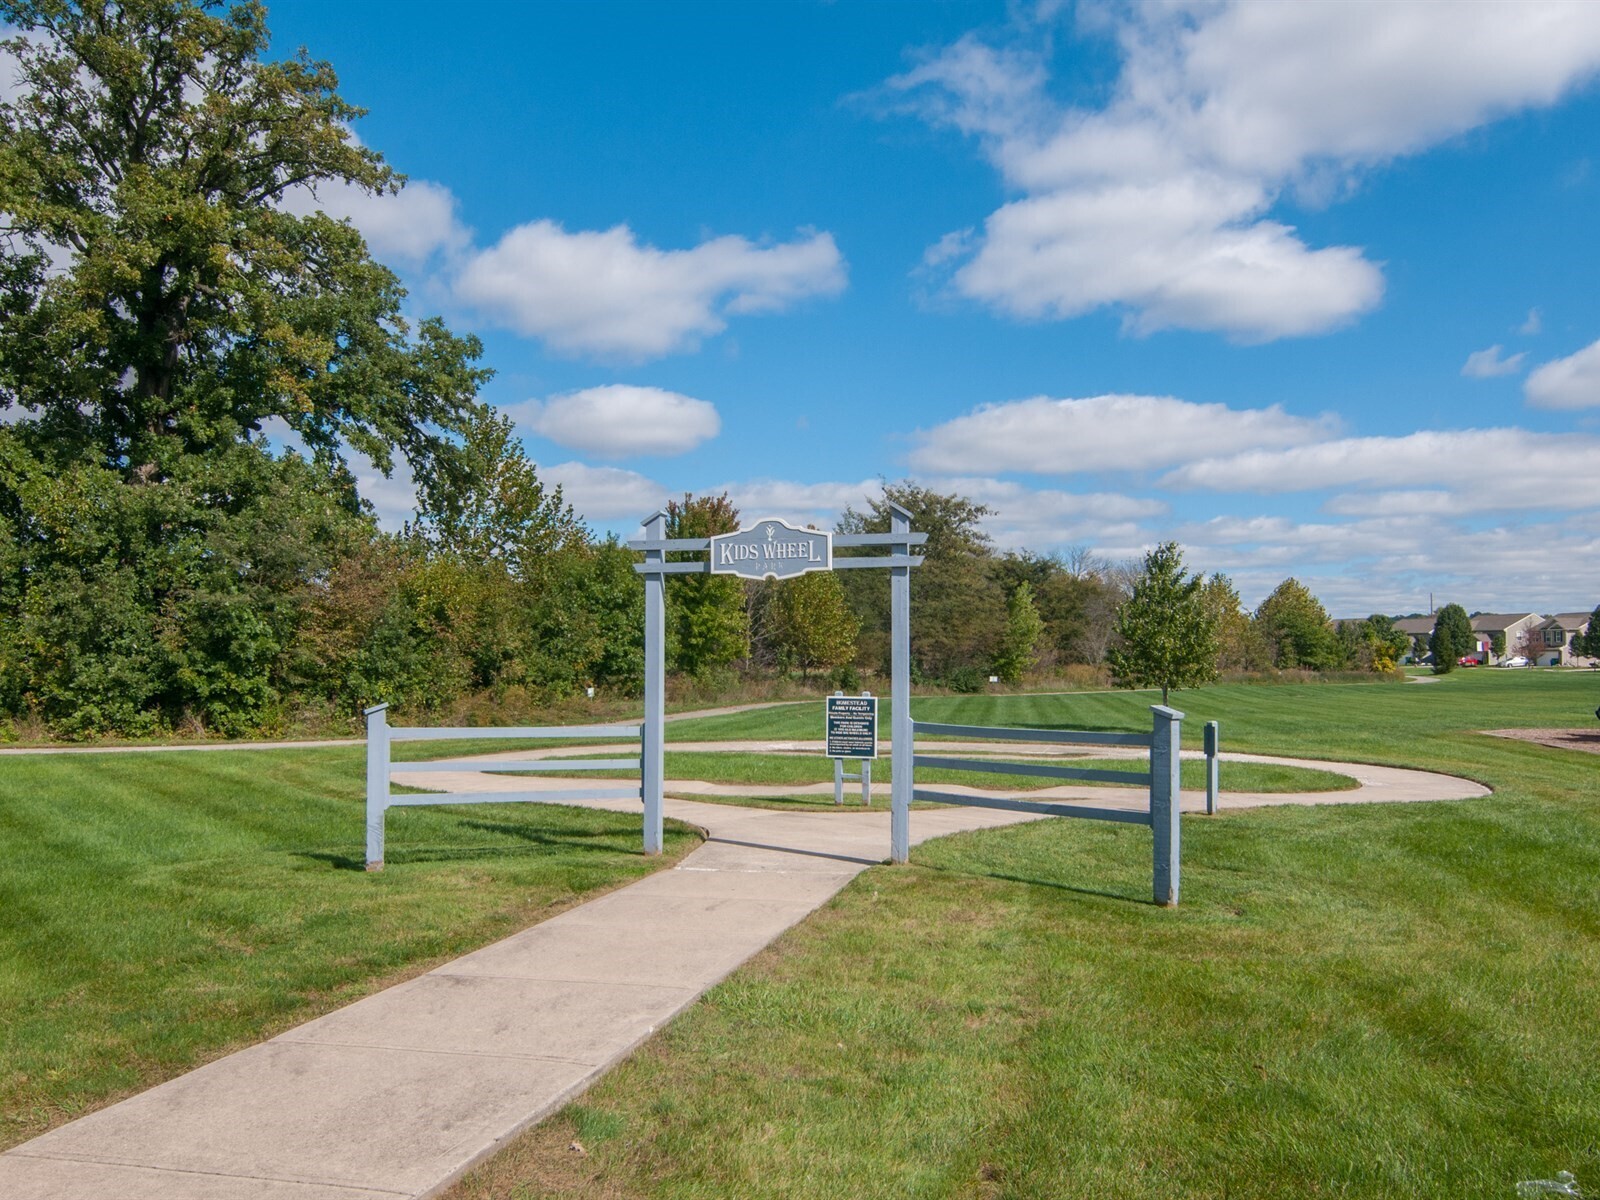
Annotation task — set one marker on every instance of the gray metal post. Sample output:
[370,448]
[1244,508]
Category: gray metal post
[1211,768]
[900,691]
[1164,797]
[866,764]
[652,757]
[838,771]
[377,781]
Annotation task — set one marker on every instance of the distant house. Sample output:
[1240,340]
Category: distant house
[1555,634]
[1414,628]
[1510,627]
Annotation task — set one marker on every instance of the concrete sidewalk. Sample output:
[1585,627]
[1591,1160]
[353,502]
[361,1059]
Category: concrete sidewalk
[399,1093]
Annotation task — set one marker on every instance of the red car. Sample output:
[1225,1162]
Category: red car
[1465,661]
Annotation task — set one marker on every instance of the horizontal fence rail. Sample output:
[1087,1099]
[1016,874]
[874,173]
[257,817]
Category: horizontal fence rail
[1044,770]
[1056,808]
[1069,737]
[381,768]
[455,733]
[1161,779]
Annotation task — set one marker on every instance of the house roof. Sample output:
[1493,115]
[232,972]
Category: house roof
[1568,621]
[1415,625]
[1491,622]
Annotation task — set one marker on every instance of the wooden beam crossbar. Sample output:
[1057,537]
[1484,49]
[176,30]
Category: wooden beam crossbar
[703,566]
[846,540]
[423,798]
[532,766]
[1047,808]
[1071,737]
[440,733]
[1047,771]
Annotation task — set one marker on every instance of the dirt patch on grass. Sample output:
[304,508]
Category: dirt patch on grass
[1561,739]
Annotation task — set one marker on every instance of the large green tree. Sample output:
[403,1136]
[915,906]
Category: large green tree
[957,602]
[158,299]
[1295,625]
[708,624]
[1452,638]
[1240,646]
[1165,637]
[805,623]
[1020,640]
[161,311]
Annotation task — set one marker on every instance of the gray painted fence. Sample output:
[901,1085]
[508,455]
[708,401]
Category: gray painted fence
[381,767]
[1161,779]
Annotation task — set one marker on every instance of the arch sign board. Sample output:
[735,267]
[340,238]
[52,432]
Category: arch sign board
[774,549]
[771,549]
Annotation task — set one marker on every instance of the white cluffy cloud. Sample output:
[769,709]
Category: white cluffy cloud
[1103,433]
[1571,382]
[408,226]
[1431,471]
[1159,201]
[606,493]
[1486,364]
[621,421]
[602,292]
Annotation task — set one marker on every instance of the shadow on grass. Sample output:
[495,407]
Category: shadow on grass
[1053,884]
[599,842]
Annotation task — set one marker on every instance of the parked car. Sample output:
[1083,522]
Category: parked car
[1516,660]
[1466,660]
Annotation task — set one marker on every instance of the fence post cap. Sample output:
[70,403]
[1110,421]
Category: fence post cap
[376,708]
[1161,710]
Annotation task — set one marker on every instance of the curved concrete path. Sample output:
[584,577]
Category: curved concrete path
[400,1093]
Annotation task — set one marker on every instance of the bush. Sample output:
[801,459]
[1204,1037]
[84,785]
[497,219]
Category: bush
[966,680]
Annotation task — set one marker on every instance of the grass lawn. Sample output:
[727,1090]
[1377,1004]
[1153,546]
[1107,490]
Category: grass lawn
[1376,722]
[158,909]
[1361,1001]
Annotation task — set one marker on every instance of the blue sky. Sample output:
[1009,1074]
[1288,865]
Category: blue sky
[1309,288]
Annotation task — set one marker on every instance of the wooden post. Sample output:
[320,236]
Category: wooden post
[652,748]
[377,781]
[1164,796]
[900,691]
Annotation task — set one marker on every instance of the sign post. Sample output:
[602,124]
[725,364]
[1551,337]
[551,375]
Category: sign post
[851,724]
[774,549]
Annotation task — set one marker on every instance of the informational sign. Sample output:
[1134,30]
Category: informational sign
[852,723]
[771,549]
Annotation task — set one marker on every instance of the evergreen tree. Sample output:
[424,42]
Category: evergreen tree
[1590,646]
[1165,637]
[1019,642]
[1452,638]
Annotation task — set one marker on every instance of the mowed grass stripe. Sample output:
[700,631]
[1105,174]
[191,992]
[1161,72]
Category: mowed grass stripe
[160,909]
[1364,1001]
